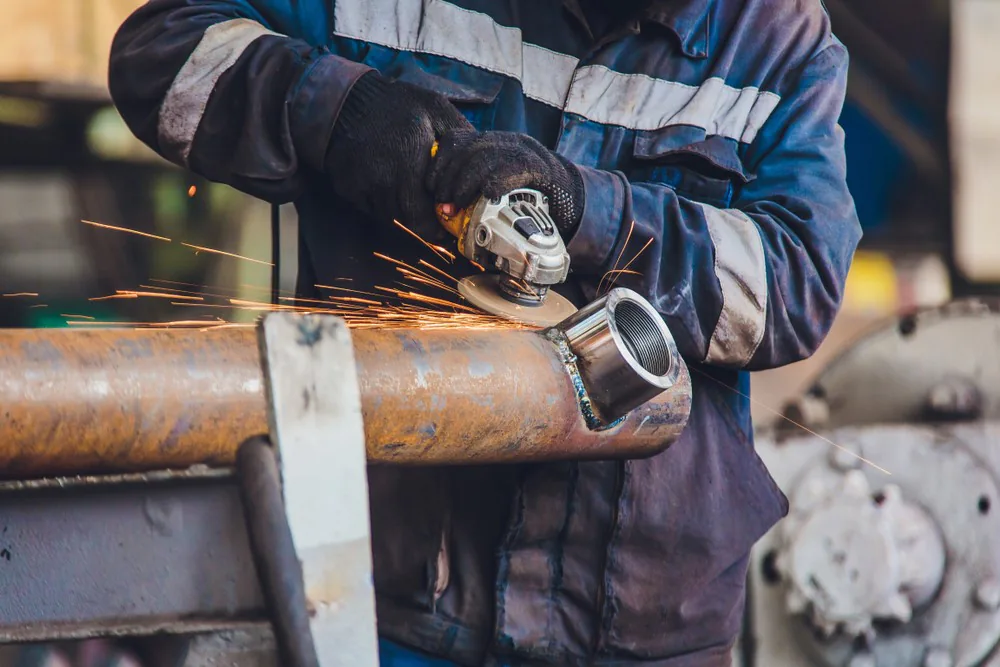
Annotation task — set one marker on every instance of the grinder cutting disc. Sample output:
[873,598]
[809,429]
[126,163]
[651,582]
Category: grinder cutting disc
[483,291]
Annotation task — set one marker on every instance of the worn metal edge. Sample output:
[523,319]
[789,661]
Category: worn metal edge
[41,632]
[198,472]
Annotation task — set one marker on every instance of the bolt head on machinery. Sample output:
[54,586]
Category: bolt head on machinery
[515,235]
[850,560]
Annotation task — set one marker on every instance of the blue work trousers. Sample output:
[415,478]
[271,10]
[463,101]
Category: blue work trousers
[394,655]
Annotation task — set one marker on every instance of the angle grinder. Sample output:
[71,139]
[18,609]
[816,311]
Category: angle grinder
[515,239]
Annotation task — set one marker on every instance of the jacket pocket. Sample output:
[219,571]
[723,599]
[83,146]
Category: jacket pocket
[772,500]
[410,515]
[700,168]
[688,519]
[472,90]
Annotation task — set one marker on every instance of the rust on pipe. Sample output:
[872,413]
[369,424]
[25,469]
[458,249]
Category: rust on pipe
[74,402]
[491,396]
[122,400]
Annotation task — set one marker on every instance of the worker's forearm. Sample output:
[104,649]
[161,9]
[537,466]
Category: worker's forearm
[754,284]
[212,85]
[739,288]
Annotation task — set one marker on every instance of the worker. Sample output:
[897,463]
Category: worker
[702,133]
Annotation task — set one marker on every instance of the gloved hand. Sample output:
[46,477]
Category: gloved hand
[469,164]
[381,147]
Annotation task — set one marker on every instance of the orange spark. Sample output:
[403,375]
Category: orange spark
[404,265]
[119,295]
[436,249]
[16,294]
[437,270]
[187,323]
[125,229]
[152,325]
[423,298]
[199,248]
[229,325]
[162,295]
[131,294]
[265,306]
[424,278]
[357,299]
[296,299]
[435,284]
[192,190]
[526,287]
[345,289]
[177,282]
[172,290]
[621,252]
[622,272]
[635,257]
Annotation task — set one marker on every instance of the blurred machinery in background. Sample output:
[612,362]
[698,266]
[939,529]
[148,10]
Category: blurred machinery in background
[66,156]
[894,560]
[890,554]
[896,120]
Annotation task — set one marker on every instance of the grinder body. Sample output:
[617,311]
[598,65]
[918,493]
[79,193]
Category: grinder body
[515,239]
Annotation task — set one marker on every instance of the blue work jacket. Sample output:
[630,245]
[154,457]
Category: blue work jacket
[706,132]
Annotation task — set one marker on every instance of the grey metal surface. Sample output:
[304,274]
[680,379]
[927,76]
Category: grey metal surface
[624,351]
[951,473]
[252,646]
[849,561]
[942,362]
[113,556]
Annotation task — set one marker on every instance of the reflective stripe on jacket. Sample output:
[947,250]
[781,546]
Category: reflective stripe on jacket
[706,133]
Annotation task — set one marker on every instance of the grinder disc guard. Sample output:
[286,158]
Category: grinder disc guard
[484,292]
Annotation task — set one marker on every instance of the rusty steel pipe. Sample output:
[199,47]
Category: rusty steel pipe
[74,402]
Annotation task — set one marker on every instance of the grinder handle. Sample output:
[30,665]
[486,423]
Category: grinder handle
[455,222]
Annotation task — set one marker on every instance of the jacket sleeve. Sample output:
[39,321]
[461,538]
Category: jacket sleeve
[756,285]
[213,85]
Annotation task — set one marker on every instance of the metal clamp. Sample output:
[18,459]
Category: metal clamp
[312,551]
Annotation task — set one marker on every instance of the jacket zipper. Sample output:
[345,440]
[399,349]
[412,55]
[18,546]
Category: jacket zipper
[599,642]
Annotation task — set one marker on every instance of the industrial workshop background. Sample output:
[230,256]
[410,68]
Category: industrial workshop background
[65,156]
[923,146]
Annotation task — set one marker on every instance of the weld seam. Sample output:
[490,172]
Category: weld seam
[569,358]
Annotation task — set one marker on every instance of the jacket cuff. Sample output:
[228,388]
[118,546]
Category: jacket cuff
[604,205]
[316,104]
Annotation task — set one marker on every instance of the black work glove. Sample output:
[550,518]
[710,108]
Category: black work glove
[470,164]
[381,147]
